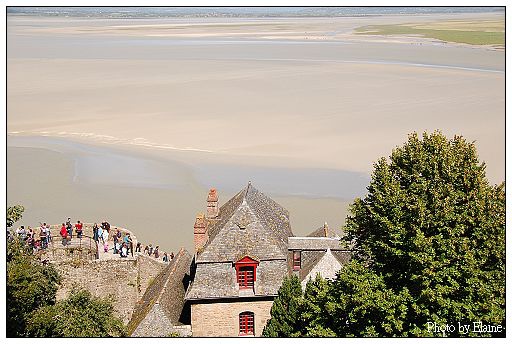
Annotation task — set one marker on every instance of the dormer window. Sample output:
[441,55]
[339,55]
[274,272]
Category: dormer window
[246,272]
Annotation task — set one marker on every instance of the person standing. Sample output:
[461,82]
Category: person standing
[105,226]
[95,234]
[138,247]
[105,237]
[150,250]
[165,258]
[42,237]
[130,244]
[48,233]
[64,234]
[116,243]
[157,254]
[100,234]
[30,234]
[22,233]
[78,228]
[69,228]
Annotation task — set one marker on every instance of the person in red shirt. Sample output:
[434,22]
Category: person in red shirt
[64,234]
[78,228]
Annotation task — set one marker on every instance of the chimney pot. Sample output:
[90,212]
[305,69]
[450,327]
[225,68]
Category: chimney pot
[212,204]
[200,234]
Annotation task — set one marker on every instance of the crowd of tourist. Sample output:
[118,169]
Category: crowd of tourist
[154,252]
[40,239]
[36,239]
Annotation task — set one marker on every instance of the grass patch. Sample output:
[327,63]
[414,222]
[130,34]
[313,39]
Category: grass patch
[475,34]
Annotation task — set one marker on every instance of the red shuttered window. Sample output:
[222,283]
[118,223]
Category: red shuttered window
[246,272]
[296,260]
[245,277]
[246,322]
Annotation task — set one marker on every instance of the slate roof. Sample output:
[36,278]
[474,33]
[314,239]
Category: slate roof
[310,260]
[167,290]
[313,243]
[249,224]
[218,280]
[325,229]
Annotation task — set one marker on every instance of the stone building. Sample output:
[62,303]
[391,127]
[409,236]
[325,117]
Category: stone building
[318,253]
[244,249]
[241,260]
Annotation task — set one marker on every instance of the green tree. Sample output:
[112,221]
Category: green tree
[432,227]
[14,214]
[285,311]
[30,284]
[79,315]
[360,304]
[316,309]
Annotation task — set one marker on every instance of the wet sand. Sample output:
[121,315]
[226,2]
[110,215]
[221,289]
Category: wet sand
[302,107]
[53,185]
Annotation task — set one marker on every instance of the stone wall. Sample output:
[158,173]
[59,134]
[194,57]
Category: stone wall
[220,319]
[149,268]
[124,278]
[102,278]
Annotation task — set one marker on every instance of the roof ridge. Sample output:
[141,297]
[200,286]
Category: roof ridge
[173,269]
[214,226]
[272,205]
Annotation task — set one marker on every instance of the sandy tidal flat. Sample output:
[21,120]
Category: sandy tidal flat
[305,105]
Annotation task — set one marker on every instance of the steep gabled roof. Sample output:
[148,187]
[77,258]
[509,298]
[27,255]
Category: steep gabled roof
[167,292]
[325,262]
[326,232]
[251,224]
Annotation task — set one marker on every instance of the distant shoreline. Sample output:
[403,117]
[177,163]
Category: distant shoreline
[120,12]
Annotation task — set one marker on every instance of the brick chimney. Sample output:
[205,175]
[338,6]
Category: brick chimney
[200,235]
[212,204]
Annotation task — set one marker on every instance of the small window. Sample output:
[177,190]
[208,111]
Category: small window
[246,322]
[296,260]
[245,277]
[246,272]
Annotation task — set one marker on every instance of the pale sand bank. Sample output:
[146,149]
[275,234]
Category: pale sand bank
[318,114]
[339,104]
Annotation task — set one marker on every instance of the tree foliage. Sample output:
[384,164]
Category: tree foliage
[429,246]
[30,284]
[32,310]
[433,227]
[79,315]
[285,310]
[316,309]
[14,214]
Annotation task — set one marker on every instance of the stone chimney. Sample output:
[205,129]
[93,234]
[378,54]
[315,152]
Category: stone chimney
[200,235]
[326,230]
[212,204]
